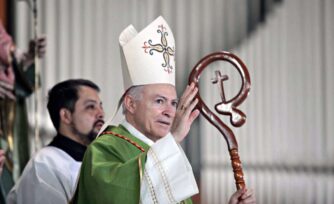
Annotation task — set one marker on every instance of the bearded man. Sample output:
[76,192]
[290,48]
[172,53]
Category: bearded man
[50,176]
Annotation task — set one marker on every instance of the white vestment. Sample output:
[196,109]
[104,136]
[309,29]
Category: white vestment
[49,178]
[168,175]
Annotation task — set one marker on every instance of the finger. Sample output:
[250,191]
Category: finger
[41,38]
[11,96]
[235,197]
[41,49]
[181,101]
[41,53]
[7,86]
[181,106]
[248,196]
[41,42]
[191,107]
[41,45]
[193,115]
[189,98]
[240,192]
[186,92]
[249,200]
[2,91]
[5,93]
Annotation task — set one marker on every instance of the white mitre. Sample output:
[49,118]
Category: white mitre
[148,57]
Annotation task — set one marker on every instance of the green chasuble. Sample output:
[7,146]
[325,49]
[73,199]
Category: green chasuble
[112,168]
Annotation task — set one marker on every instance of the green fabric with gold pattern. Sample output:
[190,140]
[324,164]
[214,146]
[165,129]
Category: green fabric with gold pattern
[110,170]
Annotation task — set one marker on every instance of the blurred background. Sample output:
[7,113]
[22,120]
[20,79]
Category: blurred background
[287,143]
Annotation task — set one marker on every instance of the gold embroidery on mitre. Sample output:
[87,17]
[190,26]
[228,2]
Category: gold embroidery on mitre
[167,52]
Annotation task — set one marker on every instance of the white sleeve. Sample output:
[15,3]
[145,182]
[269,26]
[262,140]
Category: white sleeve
[39,185]
[168,176]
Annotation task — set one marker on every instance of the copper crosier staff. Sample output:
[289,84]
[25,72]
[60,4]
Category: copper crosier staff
[225,107]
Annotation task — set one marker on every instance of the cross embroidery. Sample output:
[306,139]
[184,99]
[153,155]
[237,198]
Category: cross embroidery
[163,48]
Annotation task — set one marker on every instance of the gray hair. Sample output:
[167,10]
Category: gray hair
[136,93]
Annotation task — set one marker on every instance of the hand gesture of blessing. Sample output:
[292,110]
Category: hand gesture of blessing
[185,113]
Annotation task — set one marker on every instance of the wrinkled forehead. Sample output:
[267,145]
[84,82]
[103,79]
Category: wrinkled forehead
[165,90]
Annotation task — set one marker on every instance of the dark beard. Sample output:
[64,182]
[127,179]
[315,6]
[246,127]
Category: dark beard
[85,138]
[89,137]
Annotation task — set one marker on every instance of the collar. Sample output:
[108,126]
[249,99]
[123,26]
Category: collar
[136,133]
[74,149]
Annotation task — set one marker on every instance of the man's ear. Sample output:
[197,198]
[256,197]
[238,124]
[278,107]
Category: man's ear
[129,103]
[65,116]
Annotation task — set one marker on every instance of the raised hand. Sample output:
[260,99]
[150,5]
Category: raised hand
[41,47]
[185,113]
[27,58]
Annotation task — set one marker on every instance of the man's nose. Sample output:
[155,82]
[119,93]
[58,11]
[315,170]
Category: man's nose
[100,113]
[169,111]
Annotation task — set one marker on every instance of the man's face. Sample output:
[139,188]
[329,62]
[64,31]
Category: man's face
[154,113]
[88,115]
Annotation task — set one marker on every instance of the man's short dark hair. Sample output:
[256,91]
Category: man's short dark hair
[65,95]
